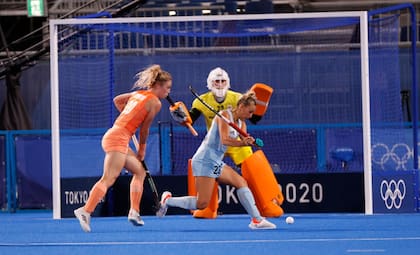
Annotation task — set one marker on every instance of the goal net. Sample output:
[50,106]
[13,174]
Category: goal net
[336,76]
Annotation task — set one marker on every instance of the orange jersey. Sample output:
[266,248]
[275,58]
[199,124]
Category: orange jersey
[134,111]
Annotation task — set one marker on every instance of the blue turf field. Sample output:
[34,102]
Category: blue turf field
[37,233]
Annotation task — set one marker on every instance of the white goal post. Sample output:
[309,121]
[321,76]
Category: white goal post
[55,105]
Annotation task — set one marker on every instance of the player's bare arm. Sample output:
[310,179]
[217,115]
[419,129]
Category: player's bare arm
[153,107]
[229,141]
[121,100]
[248,140]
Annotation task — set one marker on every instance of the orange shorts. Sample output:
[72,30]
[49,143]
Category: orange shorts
[116,139]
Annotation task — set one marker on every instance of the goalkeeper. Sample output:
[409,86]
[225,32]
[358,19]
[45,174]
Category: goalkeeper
[220,97]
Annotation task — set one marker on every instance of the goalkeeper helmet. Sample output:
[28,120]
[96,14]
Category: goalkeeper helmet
[218,82]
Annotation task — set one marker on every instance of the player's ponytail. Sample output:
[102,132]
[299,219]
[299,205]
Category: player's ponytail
[150,76]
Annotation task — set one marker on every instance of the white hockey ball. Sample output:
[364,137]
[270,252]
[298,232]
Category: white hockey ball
[290,220]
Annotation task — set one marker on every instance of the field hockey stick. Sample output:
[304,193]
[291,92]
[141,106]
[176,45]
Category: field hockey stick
[148,177]
[192,130]
[258,142]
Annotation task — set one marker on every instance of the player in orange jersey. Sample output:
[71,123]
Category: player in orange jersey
[138,109]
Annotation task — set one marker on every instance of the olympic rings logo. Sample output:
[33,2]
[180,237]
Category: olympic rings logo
[399,154]
[393,193]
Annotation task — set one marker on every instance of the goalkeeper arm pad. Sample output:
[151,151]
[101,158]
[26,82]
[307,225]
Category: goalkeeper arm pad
[263,93]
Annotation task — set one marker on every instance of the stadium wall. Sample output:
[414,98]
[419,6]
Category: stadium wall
[36,93]
[35,88]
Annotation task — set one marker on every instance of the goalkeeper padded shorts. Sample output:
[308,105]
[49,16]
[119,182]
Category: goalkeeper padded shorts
[238,154]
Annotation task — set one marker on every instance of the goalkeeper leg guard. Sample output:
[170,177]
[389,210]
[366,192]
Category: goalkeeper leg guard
[211,211]
[261,180]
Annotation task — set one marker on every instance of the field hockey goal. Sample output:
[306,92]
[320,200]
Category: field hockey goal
[337,80]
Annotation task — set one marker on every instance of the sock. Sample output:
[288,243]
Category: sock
[247,200]
[97,192]
[136,191]
[187,202]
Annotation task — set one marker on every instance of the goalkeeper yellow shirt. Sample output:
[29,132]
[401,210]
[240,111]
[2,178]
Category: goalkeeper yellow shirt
[230,102]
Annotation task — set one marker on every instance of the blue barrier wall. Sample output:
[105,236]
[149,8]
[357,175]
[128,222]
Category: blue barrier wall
[29,181]
[395,191]
[168,154]
[291,150]
[2,172]
[33,171]
[303,193]
[349,139]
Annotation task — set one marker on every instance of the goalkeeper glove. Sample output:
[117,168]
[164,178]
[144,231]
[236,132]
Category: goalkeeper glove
[180,113]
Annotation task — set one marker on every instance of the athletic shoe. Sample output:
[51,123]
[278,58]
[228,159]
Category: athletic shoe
[134,218]
[262,224]
[163,206]
[84,218]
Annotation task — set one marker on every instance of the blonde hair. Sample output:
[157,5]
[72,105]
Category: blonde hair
[150,76]
[248,98]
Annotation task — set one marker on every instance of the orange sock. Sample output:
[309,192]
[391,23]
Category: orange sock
[97,192]
[136,191]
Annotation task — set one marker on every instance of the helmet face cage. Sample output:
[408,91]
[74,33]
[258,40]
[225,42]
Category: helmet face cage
[215,75]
